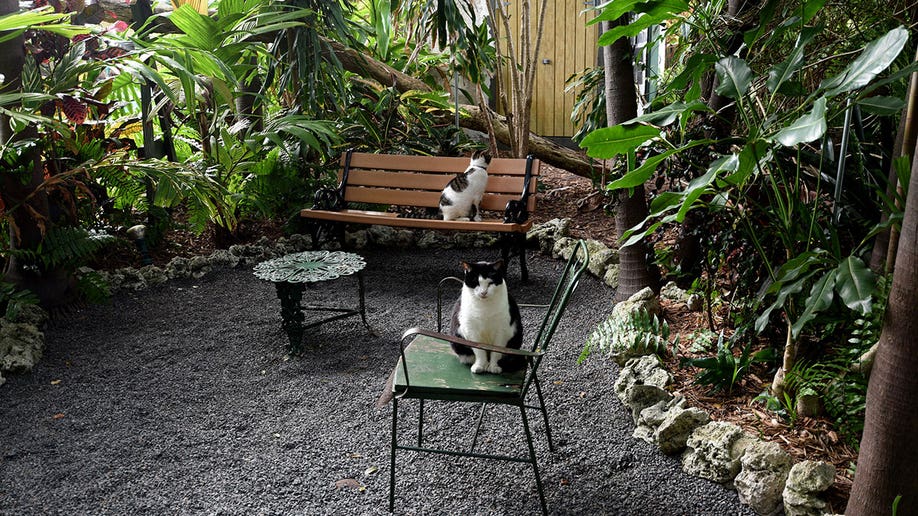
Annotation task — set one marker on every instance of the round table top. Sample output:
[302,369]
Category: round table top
[309,266]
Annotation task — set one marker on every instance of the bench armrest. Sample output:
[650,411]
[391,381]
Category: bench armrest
[330,199]
[516,212]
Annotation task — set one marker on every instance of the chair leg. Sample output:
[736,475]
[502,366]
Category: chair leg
[478,428]
[392,459]
[551,444]
[420,423]
[532,457]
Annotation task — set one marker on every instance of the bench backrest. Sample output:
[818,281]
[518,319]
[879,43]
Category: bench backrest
[418,180]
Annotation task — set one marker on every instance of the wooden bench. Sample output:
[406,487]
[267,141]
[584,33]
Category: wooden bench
[414,183]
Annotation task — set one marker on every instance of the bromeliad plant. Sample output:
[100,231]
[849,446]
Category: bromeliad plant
[765,176]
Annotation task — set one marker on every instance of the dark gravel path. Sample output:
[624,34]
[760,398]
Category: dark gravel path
[179,400]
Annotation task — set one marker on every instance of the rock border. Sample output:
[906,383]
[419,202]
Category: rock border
[763,475]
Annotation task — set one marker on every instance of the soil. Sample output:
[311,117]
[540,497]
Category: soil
[564,195]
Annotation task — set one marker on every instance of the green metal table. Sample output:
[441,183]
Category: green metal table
[291,275]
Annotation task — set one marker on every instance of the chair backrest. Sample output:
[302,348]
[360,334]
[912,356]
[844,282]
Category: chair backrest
[567,283]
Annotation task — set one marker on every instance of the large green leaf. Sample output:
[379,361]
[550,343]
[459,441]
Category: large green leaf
[880,105]
[641,174]
[200,30]
[614,10]
[754,153]
[821,295]
[783,71]
[668,114]
[45,17]
[787,290]
[789,280]
[699,186]
[807,128]
[876,57]
[609,142]
[652,13]
[856,284]
[733,77]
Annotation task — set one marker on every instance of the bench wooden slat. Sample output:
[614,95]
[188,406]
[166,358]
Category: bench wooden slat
[430,182]
[392,219]
[372,195]
[498,166]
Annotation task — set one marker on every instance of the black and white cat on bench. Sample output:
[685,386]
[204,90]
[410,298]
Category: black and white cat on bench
[462,195]
[486,312]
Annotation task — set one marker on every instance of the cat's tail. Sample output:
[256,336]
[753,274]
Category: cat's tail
[387,394]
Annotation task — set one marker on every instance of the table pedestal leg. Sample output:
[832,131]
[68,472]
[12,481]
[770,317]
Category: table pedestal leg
[363,306]
[290,295]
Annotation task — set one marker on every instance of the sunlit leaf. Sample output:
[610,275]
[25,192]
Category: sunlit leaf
[668,114]
[807,128]
[876,57]
[733,77]
[856,284]
[821,295]
[609,142]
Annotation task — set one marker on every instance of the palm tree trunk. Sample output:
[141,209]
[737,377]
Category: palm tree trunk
[888,462]
[635,271]
[21,198]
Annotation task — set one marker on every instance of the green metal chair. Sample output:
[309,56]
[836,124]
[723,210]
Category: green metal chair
[428,370]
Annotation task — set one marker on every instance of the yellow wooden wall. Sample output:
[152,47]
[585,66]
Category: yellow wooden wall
[570,47]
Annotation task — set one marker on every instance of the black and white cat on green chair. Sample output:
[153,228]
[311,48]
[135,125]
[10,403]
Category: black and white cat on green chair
[487,313]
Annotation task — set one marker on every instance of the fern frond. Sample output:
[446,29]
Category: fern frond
[68,246]
[93,287]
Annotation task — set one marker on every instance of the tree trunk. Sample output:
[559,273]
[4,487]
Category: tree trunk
[19,189]
[887,465]
[882,258]
[621,105]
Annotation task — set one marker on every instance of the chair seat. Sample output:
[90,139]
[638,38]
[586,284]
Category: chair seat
[434,372]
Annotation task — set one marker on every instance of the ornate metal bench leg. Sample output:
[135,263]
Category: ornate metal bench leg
[292,316]
[521,248]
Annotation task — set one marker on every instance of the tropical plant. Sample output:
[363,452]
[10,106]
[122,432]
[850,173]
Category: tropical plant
[722,370]
[203,71]
[762,174]
[12,300]
[843,393]
[384,120]
[627,335]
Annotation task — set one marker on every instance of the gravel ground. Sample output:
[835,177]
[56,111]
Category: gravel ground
[179,400]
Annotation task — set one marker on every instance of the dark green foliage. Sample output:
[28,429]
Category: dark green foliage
[12,300]
[386,121]
[722,370]
[589,112]
[93,287]
[64,247]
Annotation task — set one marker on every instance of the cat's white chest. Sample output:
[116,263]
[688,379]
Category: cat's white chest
[486,320]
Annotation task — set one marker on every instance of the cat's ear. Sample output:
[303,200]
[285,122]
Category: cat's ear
[465,265]
[498,265]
